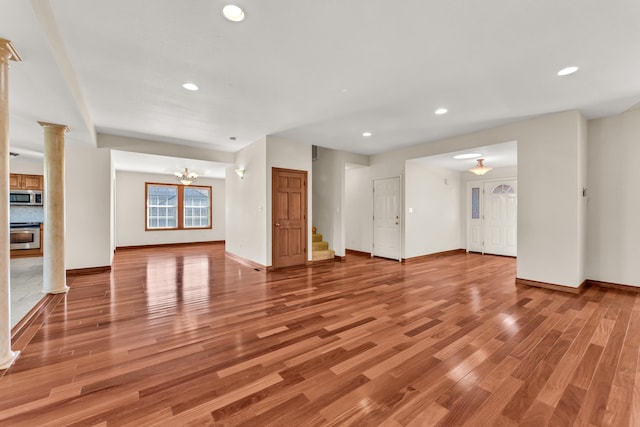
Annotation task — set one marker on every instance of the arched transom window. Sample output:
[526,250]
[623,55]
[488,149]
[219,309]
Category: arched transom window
[502,189]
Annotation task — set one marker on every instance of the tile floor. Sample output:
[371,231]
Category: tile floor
[26,286]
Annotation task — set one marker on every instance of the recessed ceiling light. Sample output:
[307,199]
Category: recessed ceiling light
[233,13]
[190,86]
[441,111]
[365,134]
[567,71]
[467,156]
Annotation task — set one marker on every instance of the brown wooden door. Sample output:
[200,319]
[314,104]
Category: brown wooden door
[289,217]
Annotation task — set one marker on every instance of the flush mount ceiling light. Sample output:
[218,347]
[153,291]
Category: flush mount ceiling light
[186,177]
[480,168]
[366,134]
[567,71]
[440,111]
[467,156]
[233,13]
[190,86]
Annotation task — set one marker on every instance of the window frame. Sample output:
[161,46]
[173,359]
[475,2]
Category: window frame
[180,220]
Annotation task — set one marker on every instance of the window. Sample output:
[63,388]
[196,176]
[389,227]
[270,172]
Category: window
[503,189]
[177,207]
[475,203]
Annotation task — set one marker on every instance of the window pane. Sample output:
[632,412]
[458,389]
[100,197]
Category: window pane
[503,189]
[196,207]
[475,203]
[162,202]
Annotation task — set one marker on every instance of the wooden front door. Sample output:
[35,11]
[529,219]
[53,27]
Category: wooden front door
[289,217]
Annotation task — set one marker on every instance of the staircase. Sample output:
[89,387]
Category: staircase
[320,250]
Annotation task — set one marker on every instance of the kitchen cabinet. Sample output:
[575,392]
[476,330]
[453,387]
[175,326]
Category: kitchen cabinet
[26,182]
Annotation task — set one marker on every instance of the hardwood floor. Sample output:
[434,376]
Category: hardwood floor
[188,336]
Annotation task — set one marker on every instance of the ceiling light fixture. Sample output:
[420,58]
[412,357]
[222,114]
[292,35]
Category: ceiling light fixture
[190,86]
[480,168]
[233,13]
[186,177]
[366,134]
[441,111]
[567,71]
[467,156]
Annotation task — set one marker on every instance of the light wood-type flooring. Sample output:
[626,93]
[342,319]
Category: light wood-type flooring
[189,336]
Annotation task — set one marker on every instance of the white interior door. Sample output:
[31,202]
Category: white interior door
[387,230]
[501,217]
[474,217]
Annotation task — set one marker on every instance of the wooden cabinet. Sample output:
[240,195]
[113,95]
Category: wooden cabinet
[26,182]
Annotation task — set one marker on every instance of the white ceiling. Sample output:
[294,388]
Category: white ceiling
[318,72]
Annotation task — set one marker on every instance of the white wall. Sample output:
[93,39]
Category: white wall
[614,199]
[112,210]
[434,196]
[27,166]
[548,198]
[131,205]
[287,154]
[581,224]
[246,204]
[88,207]
[548,203]
[358,204]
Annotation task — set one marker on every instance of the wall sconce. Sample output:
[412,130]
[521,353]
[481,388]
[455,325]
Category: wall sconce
[240,173]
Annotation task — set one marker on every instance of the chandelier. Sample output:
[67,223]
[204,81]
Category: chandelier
[186,177]
[480,168]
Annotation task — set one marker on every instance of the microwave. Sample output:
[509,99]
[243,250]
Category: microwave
[25,197]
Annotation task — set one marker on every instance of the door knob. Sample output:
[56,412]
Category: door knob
[277,224]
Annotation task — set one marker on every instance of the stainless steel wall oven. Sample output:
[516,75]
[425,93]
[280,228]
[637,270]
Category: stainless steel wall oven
[25,235]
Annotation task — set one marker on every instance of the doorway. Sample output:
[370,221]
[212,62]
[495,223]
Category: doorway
[289,217]
[493,217]
[387,228]
[500,217]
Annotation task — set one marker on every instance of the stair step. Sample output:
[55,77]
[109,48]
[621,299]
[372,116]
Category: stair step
[320,246]
[322,255]
[316,237]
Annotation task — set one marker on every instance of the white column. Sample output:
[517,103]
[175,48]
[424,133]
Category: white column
[7,357]
[53,264]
